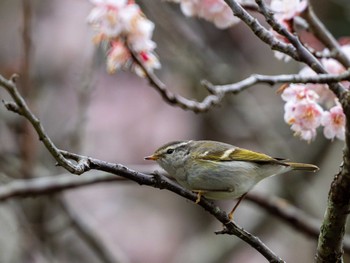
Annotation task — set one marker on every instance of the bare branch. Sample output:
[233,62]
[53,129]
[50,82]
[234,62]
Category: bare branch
[173,99]
[85,163]
[22,109]
[296,78]
[261,32]
[218,92]
[322,33]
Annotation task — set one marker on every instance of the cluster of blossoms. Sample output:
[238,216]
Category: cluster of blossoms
[121,24]
[310,106]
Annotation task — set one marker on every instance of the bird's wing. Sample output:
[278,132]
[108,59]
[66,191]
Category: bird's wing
[230,153]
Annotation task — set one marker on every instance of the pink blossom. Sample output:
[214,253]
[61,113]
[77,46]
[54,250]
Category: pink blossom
[334,123]
[140,38]
[304,116]
[215,11]
[346,50]
[326,96]
[150,61]
[287,9]
[297,92]
[104,18]
[332,66]
[117,56]
[118,22]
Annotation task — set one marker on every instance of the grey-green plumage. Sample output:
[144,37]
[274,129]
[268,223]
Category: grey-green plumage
[220,170]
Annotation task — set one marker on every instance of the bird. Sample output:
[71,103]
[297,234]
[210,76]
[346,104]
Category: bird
[218,170]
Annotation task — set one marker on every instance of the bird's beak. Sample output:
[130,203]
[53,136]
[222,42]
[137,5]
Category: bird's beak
[152,157]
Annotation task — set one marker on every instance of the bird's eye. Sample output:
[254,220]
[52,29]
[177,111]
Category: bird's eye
[170,151]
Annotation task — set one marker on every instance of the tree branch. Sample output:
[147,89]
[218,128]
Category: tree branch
[304,55]
[261,32]
[322,33]
[218,92]
[157,181]
[22,108]
[330,241]
[271,80]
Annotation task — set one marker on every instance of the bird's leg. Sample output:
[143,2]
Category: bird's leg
[230,215]
[199,195]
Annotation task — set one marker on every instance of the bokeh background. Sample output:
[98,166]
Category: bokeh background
[120,118]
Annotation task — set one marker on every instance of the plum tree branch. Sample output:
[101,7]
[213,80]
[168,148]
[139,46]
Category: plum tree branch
[330,242]
[20,107]
[159,181]
[218,92]
[322,33]
[304,55]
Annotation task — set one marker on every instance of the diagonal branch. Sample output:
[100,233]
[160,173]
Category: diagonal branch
[157,181]
[20,106]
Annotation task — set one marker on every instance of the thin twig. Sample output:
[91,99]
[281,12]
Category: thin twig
[173,99]
[296,78]
[20,106]
[218,92]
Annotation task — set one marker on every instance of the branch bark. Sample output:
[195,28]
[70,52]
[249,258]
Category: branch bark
[330,242]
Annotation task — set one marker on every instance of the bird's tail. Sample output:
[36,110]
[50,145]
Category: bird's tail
[303,166]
